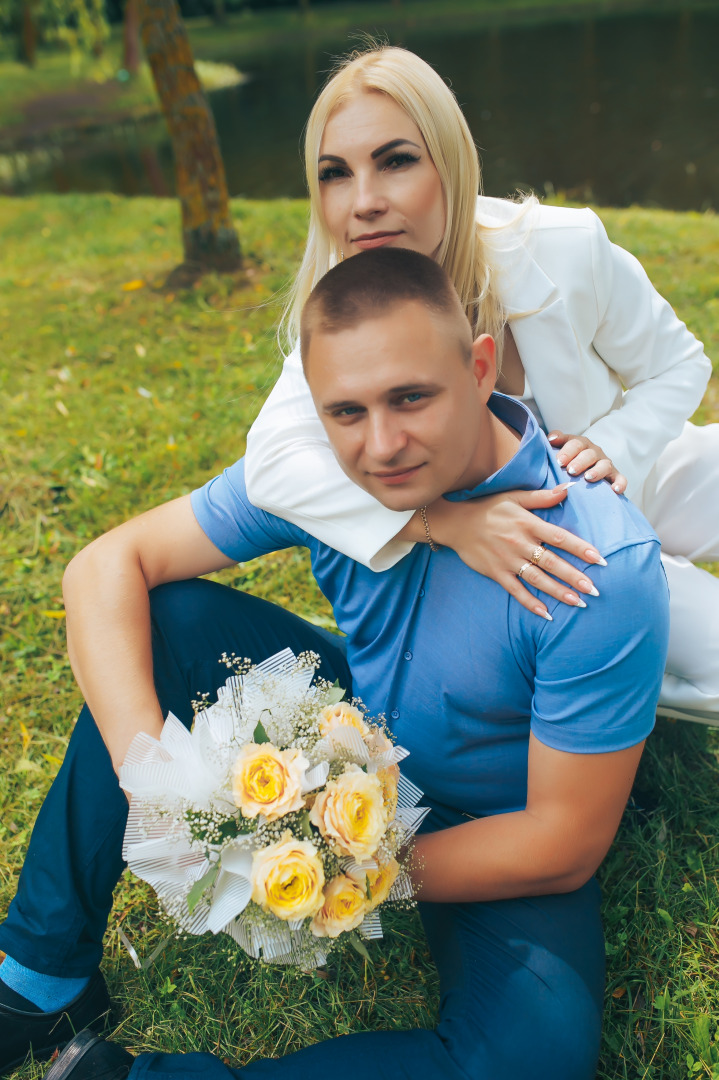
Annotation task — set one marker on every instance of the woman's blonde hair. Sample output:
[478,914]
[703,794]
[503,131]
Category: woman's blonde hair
[428,101]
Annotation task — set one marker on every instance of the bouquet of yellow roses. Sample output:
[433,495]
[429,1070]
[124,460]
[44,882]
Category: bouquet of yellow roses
[278,819]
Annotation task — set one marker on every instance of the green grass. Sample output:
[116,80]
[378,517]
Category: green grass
[82,449]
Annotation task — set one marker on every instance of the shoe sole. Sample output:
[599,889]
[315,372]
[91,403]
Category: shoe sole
[43,1053]
[74,1051]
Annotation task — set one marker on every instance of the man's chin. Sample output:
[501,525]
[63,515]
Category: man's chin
[399,499]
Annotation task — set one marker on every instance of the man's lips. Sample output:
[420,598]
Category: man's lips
[396,476]
[367,241]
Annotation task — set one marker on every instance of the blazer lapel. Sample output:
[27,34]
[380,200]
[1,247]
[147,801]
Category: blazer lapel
[550,354]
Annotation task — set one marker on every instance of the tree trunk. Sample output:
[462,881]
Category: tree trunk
[27,38]
[208,236]
[131,38]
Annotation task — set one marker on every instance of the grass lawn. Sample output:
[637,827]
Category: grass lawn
[117,397]
[28,97]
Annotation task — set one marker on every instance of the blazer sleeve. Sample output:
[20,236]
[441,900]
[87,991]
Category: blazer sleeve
[292,472]
[661,365]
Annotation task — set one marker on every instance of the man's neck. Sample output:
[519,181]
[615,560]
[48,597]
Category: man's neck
[497,444]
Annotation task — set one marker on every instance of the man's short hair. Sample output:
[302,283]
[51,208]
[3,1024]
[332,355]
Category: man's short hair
[371,284]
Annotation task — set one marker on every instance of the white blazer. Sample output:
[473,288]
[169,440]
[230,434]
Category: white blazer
[604,355]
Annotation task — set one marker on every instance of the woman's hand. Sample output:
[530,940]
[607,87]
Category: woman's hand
[497,536]
[580,455]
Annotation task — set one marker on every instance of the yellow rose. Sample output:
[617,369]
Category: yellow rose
[350,813]
[287,878]
[342,715]
[388,778]
[344,907]
[268,781]
[380,881]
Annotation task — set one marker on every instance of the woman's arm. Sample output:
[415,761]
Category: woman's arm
[291,471]
[661,364]
[106,590]
[574,805]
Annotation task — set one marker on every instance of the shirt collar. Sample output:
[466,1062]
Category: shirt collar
[528,469]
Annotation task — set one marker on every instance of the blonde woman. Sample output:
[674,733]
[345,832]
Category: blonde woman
[587,342]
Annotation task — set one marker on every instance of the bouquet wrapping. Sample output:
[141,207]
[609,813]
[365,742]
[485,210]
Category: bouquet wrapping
[280,819]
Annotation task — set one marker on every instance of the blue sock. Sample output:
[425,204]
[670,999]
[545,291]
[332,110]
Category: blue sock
[48,992]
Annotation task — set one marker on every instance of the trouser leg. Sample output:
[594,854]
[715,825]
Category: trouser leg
[57,920]
[681,500]
[521,985]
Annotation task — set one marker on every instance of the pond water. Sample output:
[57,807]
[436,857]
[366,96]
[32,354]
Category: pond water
[618,110]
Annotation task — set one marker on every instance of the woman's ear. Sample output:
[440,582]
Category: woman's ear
[484,364]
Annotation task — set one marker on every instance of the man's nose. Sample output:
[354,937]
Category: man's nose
[385,439]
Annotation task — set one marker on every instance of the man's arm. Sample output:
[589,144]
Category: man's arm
[106,590]
[574,806]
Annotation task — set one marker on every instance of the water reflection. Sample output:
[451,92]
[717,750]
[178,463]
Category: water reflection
[619,110]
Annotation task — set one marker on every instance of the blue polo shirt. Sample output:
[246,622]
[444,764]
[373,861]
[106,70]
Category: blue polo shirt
[462,671]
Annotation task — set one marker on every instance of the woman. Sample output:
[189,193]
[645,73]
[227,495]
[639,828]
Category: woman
[579,322]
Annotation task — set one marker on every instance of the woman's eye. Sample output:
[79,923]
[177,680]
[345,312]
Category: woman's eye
[396,161]
[331,172]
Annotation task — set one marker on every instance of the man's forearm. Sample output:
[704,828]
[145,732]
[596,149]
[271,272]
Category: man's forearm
[499,857]
[109,644]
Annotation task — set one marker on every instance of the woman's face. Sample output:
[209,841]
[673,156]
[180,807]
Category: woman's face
[378,184]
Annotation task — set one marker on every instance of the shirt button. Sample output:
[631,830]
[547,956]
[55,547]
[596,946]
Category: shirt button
[408,655]
[395,714]
[421,592]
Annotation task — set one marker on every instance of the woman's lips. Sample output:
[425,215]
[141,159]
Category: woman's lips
[374,240]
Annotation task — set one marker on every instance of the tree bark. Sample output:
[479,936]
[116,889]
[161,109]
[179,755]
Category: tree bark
[131,38]
[208,235]
[27,38]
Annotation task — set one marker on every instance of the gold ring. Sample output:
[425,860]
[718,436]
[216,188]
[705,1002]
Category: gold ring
[523,568]
[536,555]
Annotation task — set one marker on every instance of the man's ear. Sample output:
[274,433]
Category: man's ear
[484,364]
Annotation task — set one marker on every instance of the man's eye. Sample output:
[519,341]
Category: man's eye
[410,399]
[349,410]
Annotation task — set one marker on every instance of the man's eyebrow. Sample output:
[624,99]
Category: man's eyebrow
[408,388]
[391,145]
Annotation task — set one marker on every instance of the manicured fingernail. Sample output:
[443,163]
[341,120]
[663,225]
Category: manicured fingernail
[570,598]
[586,586]
[616,487]
[564,487]
[589,475]
[552,437]
[595,557]
[544,614]
[572,471]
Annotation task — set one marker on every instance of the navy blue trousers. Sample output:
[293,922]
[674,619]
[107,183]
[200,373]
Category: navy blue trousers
[521,980]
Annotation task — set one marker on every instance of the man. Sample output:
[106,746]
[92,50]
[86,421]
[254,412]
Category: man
[524,735]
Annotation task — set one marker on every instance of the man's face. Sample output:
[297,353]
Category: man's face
[402,406]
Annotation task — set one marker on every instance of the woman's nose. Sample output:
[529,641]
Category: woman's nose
[369,199]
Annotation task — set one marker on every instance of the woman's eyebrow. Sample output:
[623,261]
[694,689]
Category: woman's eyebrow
[331,157]
[391,145]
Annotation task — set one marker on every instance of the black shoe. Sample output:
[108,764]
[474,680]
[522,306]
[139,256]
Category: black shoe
[88,1057]
[43,1033]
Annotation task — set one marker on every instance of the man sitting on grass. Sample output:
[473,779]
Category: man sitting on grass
[524,734]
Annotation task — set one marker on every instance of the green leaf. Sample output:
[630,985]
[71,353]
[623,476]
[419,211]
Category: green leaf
[304,822]
[260,734]
[666,917]
[334,694]
[357,943]
[701,1030]
[206,882]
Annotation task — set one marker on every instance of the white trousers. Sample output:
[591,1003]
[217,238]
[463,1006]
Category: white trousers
[681,500]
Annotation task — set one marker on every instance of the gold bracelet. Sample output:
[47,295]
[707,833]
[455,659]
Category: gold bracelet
[423,514]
